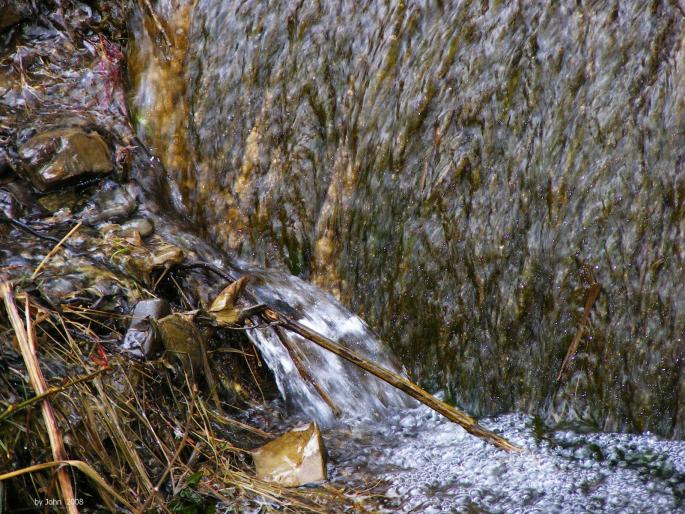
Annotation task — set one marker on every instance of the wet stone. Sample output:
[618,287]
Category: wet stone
[5,163]
[182,339]
[111,203]
[12,12]
[8,204]
[143,226]
[140,339]
[63,155]
[294,459]
[53,202]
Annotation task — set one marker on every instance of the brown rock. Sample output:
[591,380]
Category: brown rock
[296,458]
[65,154]
[12,12]
[182,339]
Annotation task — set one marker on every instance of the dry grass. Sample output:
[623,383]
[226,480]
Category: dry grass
[138,436]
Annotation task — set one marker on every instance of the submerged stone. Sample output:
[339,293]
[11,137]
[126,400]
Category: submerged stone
[62,155]
[141,259]
[111,203]
[141,339]
[294,459]
[143,226]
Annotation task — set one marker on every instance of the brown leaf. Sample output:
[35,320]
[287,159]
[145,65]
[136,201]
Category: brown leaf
[228,297]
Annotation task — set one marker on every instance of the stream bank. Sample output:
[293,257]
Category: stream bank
[86,234]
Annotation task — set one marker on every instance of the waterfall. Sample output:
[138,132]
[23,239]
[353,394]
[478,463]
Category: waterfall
[354,392]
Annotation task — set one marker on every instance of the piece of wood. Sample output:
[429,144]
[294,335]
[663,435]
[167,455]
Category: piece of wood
[590,299]
[27,346]
[453,414]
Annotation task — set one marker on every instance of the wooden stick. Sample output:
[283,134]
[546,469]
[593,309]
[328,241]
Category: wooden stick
[304,372]
[590,299]
[26,338]
[453,414]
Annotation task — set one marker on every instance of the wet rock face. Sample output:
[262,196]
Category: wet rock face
[59,156]
[12,12]
[461,174]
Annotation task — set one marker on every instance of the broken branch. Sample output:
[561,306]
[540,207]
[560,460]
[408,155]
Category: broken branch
[453,414]
[590,299]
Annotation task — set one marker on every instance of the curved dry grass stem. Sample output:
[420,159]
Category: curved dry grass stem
[81,466]
[27,345]
[54,250]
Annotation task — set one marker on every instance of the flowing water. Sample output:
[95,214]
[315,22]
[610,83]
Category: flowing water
[353,392]
[460,174]
[428,464]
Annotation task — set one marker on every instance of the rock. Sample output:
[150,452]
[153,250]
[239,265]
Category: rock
[63,155]
[12,12]
[141,339]
[9,206]
[111,203]
[163,255]
[183,339]
[5,162]
[296,458]
[143,226]
[137,258]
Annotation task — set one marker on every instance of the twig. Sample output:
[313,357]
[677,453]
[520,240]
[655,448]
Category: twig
[239,424]
[26,228]
[590,299]
[16,407]
[159,25]
[453,414]
[208,267]
[181,445]
[26,337]
[304,372]
[54,250]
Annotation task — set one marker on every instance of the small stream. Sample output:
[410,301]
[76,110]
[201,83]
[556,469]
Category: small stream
[421,462]
[269,127]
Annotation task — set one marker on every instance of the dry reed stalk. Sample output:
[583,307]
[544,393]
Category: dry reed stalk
[51,391]
[111,420]
[27,345]
[177,453]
